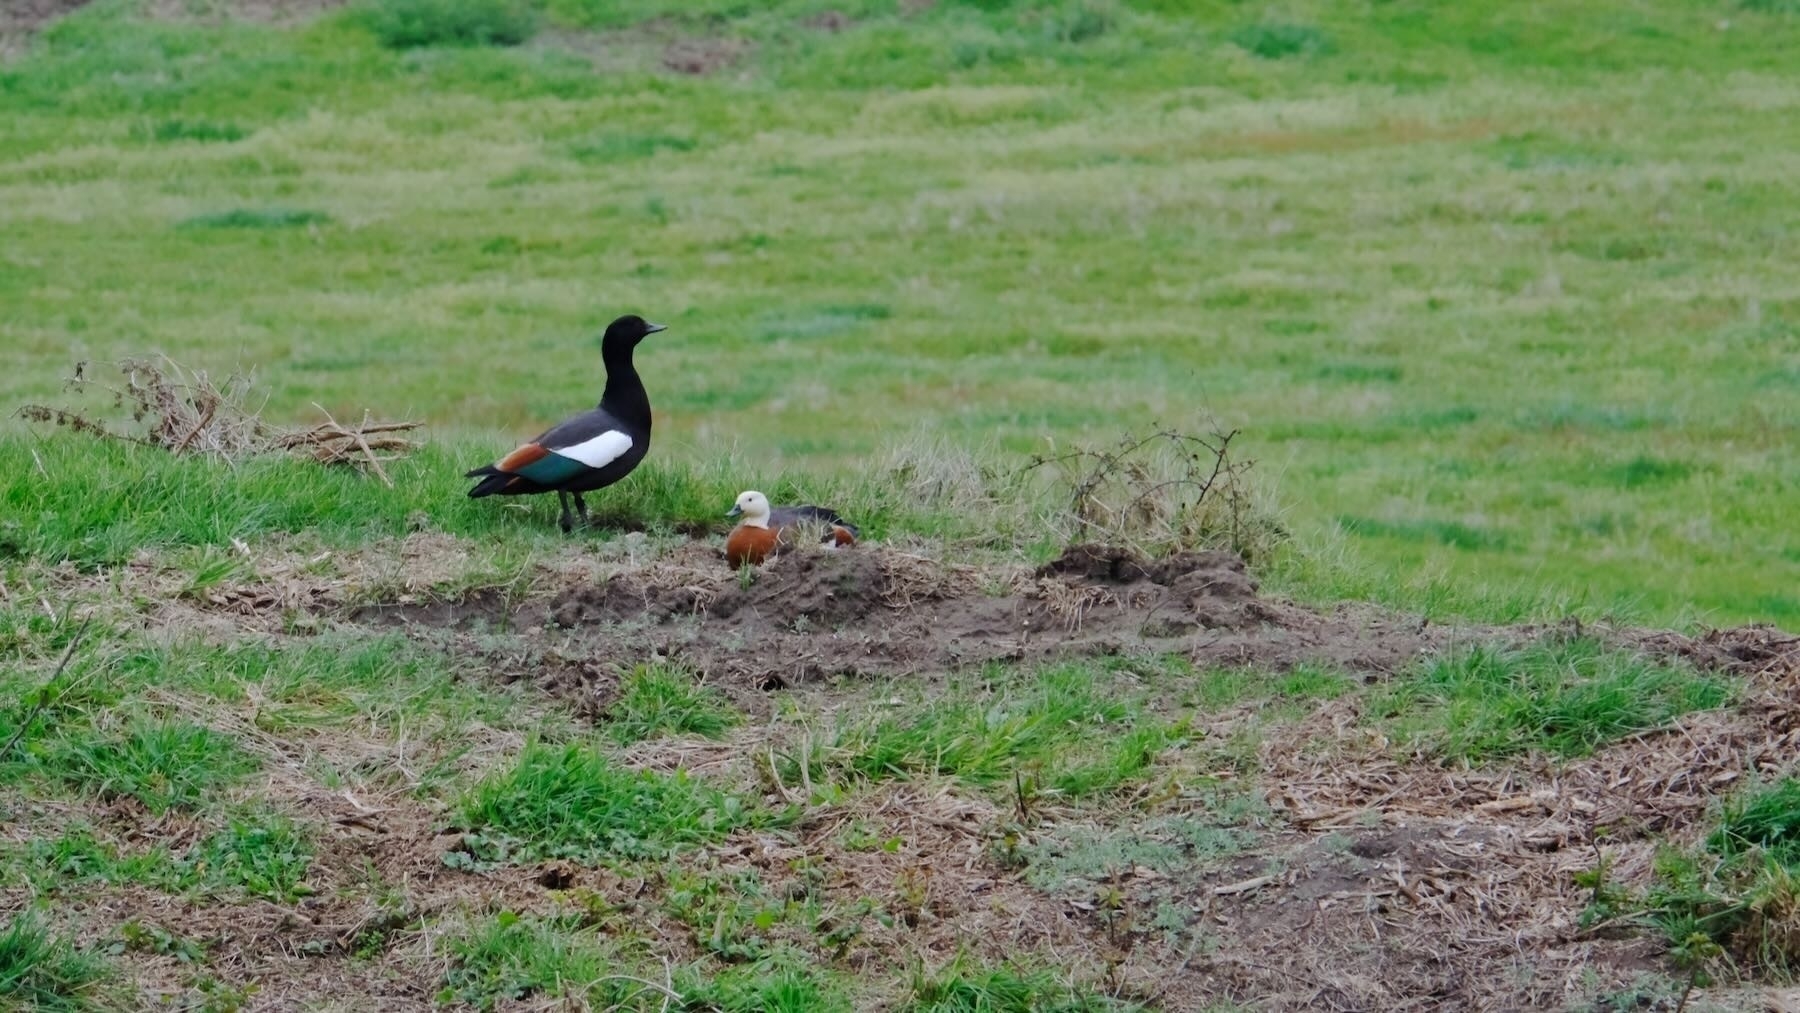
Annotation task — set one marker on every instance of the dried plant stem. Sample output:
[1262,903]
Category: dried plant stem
[43,693]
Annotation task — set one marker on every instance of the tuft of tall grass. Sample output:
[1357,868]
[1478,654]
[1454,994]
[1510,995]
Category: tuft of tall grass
[257,218]
[964,986]
[660,699]
[572,802]
[412,24]
[1278,40]
[1738,899]
[40,971]
[1061,730]
[1562,697]
[163,764]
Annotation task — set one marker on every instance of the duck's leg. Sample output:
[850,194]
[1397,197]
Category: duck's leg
[564,522]
[581,511]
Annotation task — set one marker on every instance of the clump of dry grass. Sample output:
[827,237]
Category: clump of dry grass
[186,412]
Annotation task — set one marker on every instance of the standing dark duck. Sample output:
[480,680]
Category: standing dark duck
[592,450]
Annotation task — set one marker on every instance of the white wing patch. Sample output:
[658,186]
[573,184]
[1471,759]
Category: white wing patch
[600,451]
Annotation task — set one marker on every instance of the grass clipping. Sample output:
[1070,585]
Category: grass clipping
[184,412]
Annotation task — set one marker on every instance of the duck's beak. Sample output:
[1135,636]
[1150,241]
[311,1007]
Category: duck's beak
[734,511]
[653,328]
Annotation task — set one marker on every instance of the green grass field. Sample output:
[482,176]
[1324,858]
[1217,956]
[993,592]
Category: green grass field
[1501,298]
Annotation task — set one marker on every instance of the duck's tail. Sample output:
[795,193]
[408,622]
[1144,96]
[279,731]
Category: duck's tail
[493,480]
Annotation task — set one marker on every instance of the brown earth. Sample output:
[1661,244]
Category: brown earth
[1373,880]
[20,19]
[19,16]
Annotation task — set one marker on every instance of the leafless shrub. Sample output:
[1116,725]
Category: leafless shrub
[1159,493]
[186,412]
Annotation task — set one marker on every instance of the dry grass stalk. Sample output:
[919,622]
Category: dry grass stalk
[187,412]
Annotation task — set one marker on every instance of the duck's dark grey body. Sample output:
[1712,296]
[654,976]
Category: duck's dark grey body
[591,450]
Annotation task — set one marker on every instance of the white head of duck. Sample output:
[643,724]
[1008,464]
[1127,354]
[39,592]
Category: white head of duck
[753,507]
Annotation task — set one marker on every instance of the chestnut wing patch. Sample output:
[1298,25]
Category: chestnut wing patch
[522,458]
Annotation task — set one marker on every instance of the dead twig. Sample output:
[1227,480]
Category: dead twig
[186,412]
[43,693]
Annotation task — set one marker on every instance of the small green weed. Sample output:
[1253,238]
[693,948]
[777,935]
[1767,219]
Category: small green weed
[1768,819]
[412,24]
[43,972]
[1565,698]
[572,802]
[514,958]
[266,859]
[1071,858]
[137,937]
[210,567]
[658,699]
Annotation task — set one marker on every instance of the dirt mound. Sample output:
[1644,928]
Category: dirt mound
[834,588]
[1759,651]
[1112,564]
[874,611]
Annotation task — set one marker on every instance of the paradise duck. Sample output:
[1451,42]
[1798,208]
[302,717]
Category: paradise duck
[764,532]
[592,450]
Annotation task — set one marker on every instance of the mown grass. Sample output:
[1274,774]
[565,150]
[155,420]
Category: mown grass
[1373,238]
[1561,697]
[106,729]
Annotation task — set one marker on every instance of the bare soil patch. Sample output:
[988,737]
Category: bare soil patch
[20,16]
[700,55]
[19,19]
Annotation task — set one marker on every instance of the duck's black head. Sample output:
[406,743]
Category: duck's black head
[623,334]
